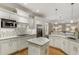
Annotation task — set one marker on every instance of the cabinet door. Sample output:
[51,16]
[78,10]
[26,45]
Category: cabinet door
[54,41]
[70,47]
[60,42]
[75,49]
[13,16]
[51,41]
[5,47]
[19,43]
[13,45]
[57,41]
[65,45]
[4,14]
[0,49]
[23,43]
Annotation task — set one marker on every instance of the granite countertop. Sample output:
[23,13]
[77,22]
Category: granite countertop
[75,41]
[4,38]
[8,37]
[39,41]
[58,35]
[67,37]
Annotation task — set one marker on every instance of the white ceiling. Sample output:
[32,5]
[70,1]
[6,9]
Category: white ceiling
[48,9]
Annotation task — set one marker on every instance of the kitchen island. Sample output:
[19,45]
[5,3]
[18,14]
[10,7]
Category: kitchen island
[38,46]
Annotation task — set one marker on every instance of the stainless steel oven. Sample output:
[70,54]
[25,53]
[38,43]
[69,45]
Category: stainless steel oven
[7,23]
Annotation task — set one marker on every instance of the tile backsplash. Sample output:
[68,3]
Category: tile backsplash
[6,32]
[9,32]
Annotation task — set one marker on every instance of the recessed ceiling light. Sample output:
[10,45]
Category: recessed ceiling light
[37,10]
[56,23]
[71,21]
[67,29]
[25,3]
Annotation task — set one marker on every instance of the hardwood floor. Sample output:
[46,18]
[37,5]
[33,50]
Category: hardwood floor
[52,51]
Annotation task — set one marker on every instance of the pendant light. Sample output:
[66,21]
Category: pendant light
[71,12]
[56,17]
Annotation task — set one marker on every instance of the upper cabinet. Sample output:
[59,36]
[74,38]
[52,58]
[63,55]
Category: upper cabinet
[22,16]
[22,19]
[4,14]
[13,16]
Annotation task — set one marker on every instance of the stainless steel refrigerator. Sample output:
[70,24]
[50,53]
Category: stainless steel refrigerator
[39,31]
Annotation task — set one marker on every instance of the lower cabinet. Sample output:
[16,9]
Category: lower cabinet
[5,47]
[12,45]
[51,41]
[75,49]
[65,44]
[56,41]
[68,46]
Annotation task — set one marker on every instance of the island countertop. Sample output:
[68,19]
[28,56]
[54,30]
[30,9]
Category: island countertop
[39,41]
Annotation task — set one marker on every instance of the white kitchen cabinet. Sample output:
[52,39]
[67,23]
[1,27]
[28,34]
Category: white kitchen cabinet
[66,46]
[13,44]
[51,41]
[70,48]
[19,43]
[4,15]
[56,41]
[0,49]
[60,42]
[5,47]
[13,16]
[38,46]
[75,48]
[22,43]
[25,43]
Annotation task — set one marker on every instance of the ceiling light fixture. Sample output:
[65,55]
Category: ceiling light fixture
[56,23]
[56,12]
[56,16]
[71,21]
[72,12]
[25,3]
[37,10]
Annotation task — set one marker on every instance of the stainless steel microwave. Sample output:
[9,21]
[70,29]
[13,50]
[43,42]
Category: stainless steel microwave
[7,23]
